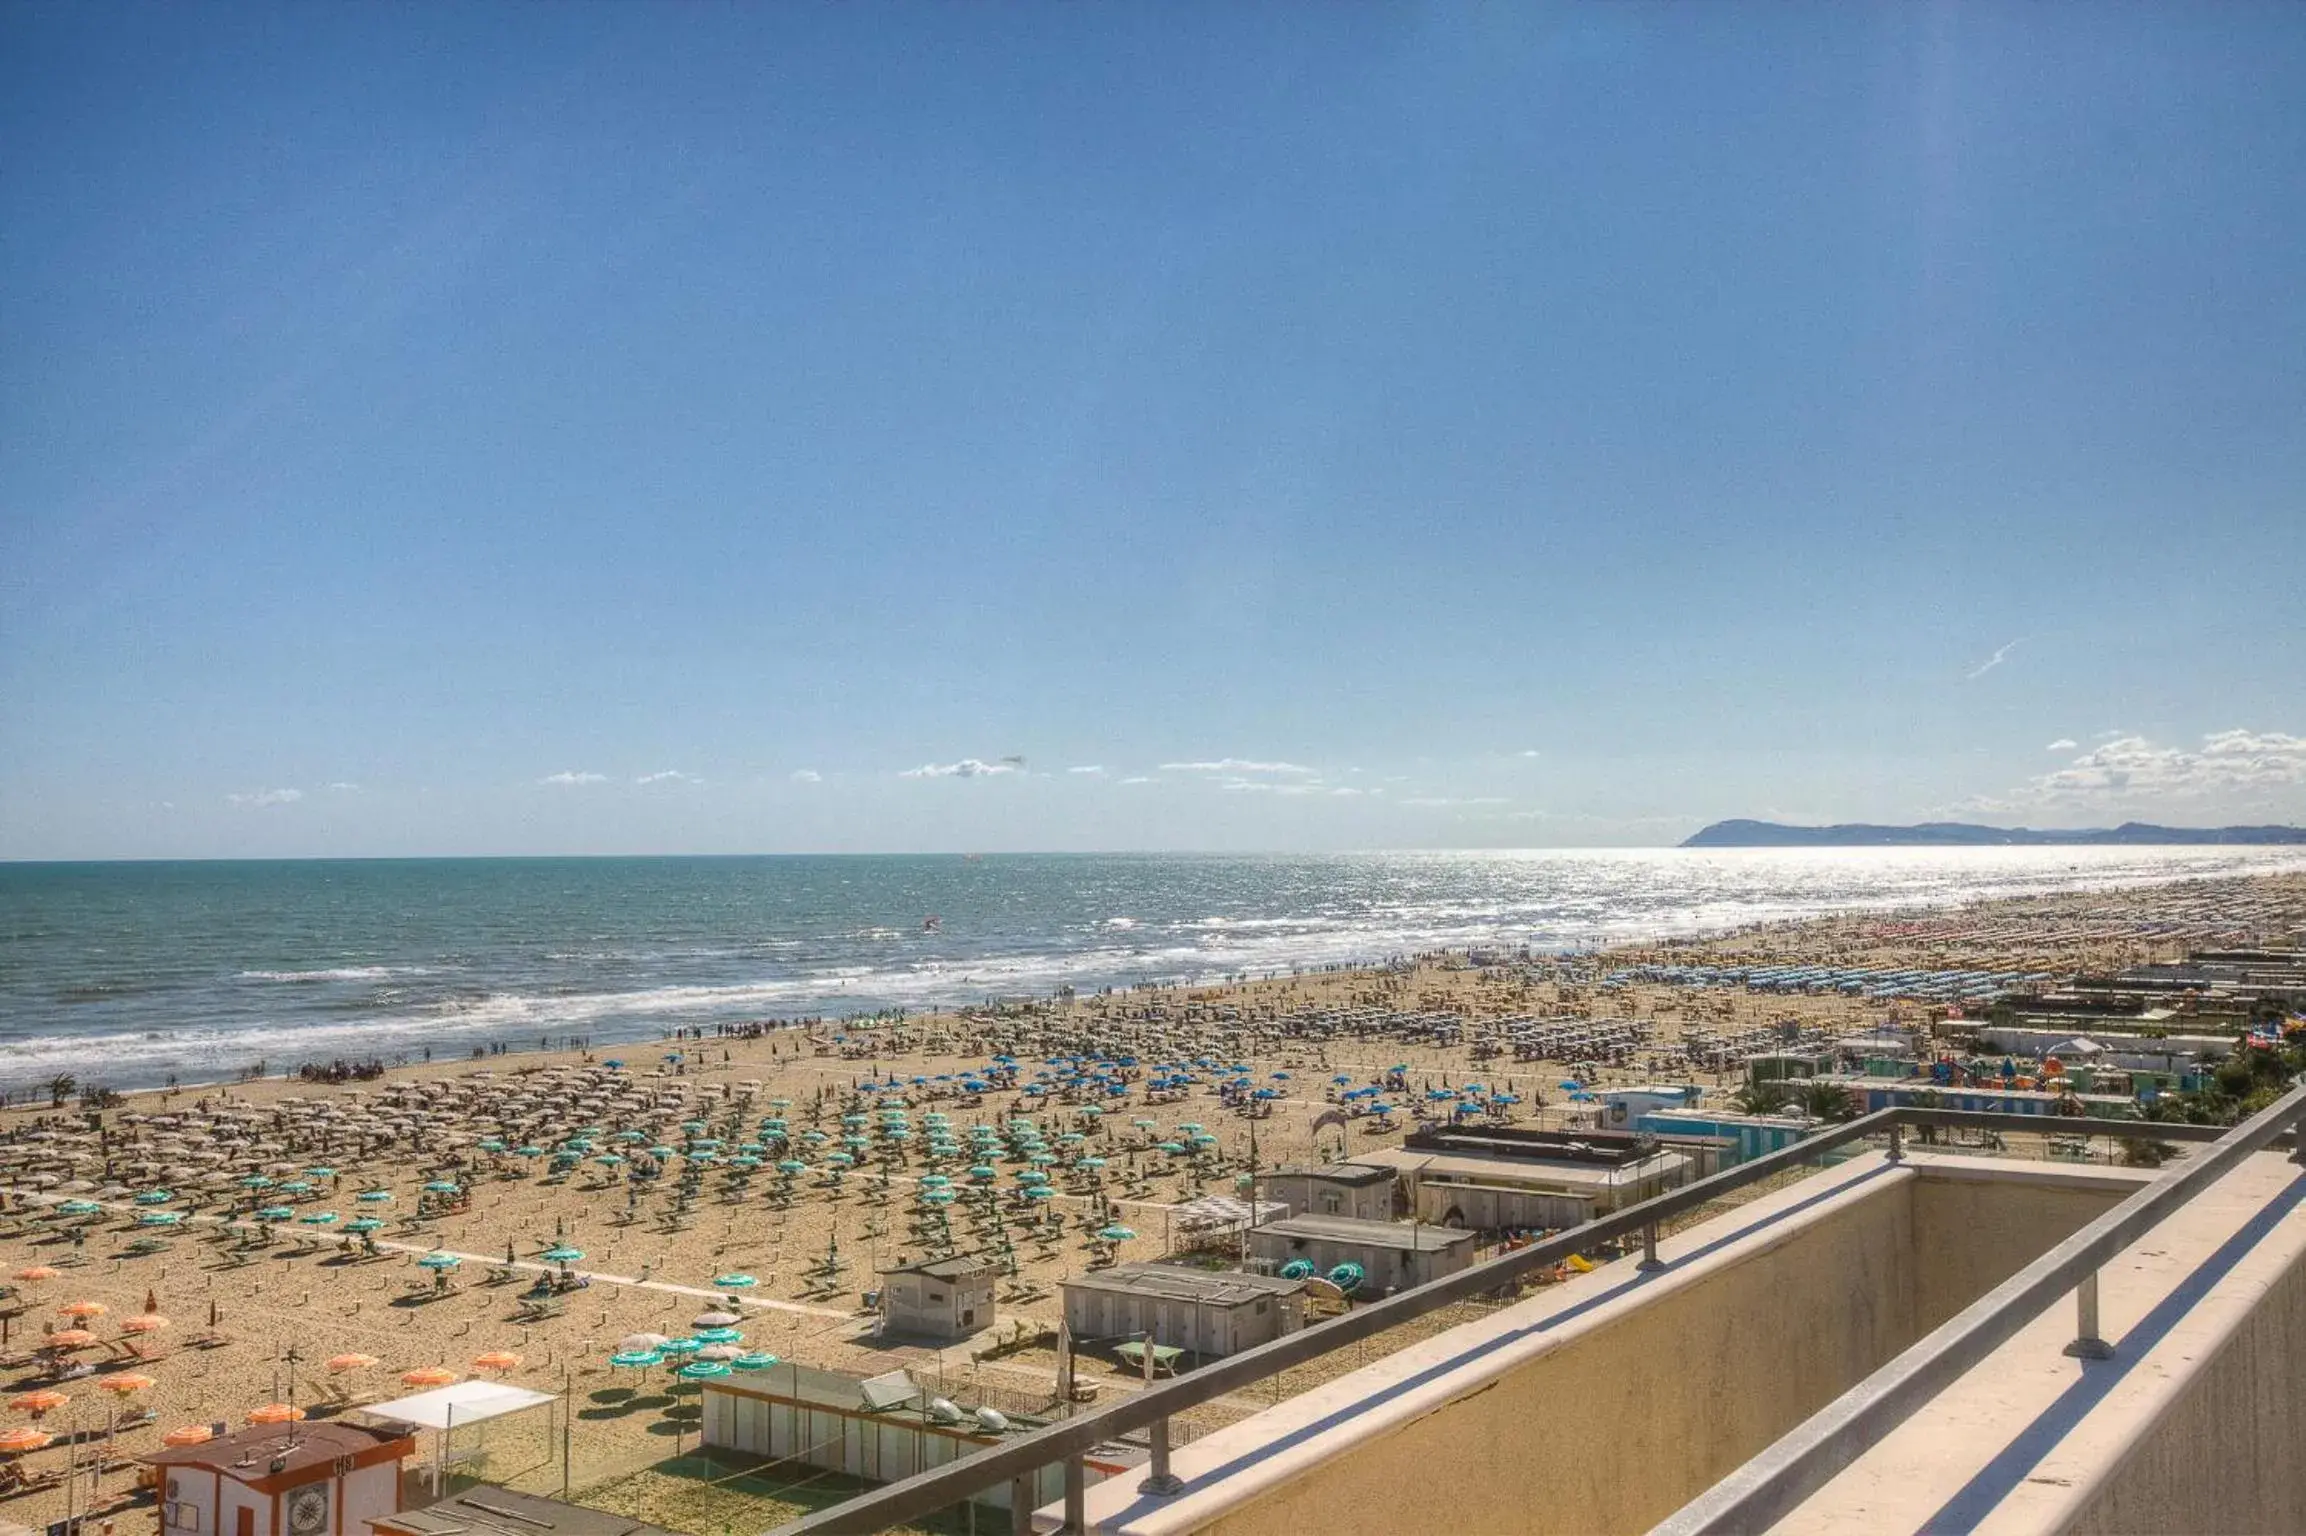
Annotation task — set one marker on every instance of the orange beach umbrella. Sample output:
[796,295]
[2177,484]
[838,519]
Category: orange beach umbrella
[46,1400]
[84,1309]
[188,1434]
[38,1272]
[274,1413]
[353,1362]
[428,1376]
[24,1438]
[132,1381]
[148,1322]
[496,1360]
[68,1338]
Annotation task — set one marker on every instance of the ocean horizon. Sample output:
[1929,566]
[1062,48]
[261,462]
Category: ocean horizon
[132,972]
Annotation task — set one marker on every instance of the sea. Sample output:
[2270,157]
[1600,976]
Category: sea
[135,974]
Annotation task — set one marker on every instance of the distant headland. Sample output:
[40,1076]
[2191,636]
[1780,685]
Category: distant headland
[1962,834]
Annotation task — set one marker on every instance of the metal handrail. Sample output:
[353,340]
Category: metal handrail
[1068,1440]
[1771,1485]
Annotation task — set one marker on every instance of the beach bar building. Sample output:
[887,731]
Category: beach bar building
[327,1479]
[1209,1312]
[1498,1177]
[943,1299]
[1391,1255]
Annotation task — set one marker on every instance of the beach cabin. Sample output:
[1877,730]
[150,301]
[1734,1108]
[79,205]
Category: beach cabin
[880,1429]
[1210,1312]
[1389,1255]
[1357,1190]
[942,1299]
[328,1479]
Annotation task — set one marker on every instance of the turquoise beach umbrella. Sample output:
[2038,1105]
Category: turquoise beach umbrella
[703,1370]
[735,1282]
[438,1261]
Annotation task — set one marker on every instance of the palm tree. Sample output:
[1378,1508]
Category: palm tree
[60,1088]
[1828,1101]
[1763,1098]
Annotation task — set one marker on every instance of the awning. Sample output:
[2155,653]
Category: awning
[468,1402]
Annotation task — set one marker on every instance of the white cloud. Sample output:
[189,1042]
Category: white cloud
[1137,778]
[345,787]
[574,776]
[667,776]
[966,768]
[1996,659]
[2240,771]
[263,797]
[807,776]
[1236,765]
[1531,752]
[1440,800]
[1089,768]
[2062,744]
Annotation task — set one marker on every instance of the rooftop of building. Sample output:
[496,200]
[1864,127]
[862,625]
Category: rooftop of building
[1178,1282]
[1332,1173]
[959,1267]
[1410,1237]
[489,1510]
[267,1450]
[1608,1149]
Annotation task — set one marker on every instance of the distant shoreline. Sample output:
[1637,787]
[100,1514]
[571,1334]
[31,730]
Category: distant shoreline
[1960,834]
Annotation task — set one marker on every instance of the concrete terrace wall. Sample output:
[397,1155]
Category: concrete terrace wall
[1606,1403]
[2194,1425]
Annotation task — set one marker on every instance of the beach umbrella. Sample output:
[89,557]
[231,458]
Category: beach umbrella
[496,1360]
[38,1272]
[636,1357]
[123,1385]
[443,1187]
[439,1261]
[374,1196]
[428,1376]
[563,1255]
[680,1346]
[339,1364]
[318,1218]
[753,1361]
[274,1413]
[703,1370]
[81,1208]
[364,1224]
[187,1435]
[156,1197]
[721,1352]
[1117,1233]
[147,1322]
[84,1309]
[275,1213]
[24,1438]
[45,1400]
[715,1320]
[256,1181]
[735,1282]
[719,1336]
[643,1342]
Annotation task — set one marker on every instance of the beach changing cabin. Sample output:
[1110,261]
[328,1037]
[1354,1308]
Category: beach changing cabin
[939,1298]
[1357,1190]
[1390,1255]
[1210,1312]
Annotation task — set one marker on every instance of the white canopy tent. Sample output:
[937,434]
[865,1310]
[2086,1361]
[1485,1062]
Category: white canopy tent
[465,1405]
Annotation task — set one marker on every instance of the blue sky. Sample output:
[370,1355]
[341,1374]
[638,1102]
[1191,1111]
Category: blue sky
[425,428]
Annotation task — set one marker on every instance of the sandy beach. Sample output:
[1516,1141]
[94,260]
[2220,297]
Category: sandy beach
[226,1247]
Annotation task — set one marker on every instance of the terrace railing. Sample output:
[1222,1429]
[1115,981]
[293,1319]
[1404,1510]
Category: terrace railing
[1750,1499]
